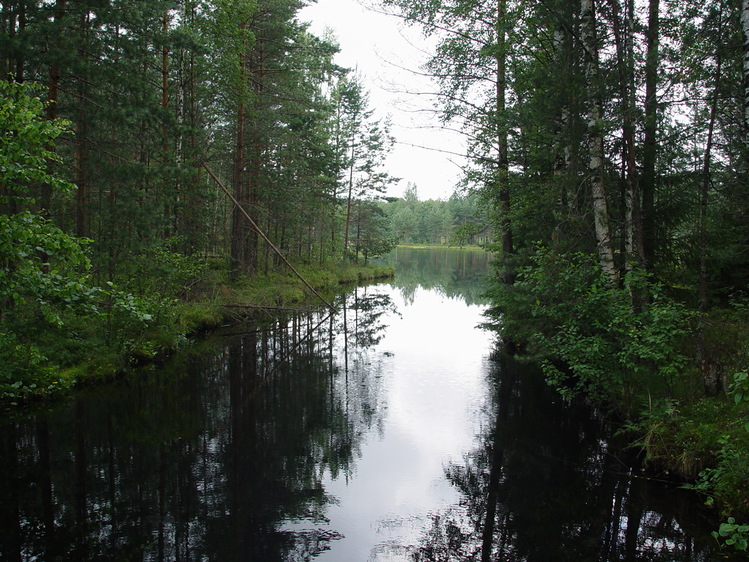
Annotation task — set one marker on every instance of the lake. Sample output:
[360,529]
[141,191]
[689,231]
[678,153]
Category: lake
[389,430]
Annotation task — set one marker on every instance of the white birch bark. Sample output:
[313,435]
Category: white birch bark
[745,33]
[595,139]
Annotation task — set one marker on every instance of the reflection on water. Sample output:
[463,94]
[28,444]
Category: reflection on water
[386,431]
[453,272]
[205,459]
[542,483]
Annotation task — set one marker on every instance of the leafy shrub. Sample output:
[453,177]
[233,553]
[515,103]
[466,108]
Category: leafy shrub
[46,294]
[734,534]
[163,273]
[595,340]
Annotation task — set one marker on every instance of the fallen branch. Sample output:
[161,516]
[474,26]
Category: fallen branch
[264,237]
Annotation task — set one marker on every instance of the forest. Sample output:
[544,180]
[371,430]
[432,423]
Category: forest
[607,168]
[147,147]
[608,143]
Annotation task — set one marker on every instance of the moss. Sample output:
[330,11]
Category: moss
[95,348]
[198,317]
[283,289]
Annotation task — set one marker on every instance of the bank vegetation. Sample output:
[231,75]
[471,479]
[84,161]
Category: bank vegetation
[608,141]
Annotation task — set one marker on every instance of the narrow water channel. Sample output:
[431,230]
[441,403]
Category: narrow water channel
[390,430]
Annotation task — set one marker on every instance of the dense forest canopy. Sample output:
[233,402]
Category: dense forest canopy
[120,123]
[612,126]
[156,91]
[613,129]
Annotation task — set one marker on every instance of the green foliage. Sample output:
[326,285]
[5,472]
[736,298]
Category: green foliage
[163,272]
[739,390]
[733,534]
[42,266]
[25,371]
[46,293]
[458,221]
[728,479]
[371,233]
[680,438]
[25,139]
[705,442]
[563,308]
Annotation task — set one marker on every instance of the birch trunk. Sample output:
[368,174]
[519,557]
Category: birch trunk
[595,147]
[745,34]
[502,144]
[649,153]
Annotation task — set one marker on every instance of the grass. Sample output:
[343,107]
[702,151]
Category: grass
[98,347]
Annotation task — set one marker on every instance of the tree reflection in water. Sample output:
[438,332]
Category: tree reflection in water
[456,273]
[433,450]
[544,484]
[207,460]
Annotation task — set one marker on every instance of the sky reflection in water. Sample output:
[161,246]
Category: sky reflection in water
[432,361]
[389,431]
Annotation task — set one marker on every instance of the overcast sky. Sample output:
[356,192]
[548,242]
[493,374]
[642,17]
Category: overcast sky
[379,47]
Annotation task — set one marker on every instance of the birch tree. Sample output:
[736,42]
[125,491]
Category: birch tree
[595,142]
[745,67]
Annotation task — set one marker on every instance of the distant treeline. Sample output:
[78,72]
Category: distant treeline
[459,220]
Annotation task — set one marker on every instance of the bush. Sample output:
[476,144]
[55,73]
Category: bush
[594,340]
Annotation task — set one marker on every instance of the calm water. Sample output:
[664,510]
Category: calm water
[387,431]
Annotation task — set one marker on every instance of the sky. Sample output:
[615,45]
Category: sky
[387,55]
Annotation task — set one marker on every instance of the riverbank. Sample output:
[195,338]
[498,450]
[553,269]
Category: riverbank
[679,377]
[100,347]
[298,420]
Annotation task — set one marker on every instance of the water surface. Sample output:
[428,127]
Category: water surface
[390,430]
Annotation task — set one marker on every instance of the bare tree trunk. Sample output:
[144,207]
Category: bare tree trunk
[625,64]
[709,375]
[53,97]
[350,197]
[81,156]
[238,241]
[20,62]
[650,126]
[595,139]
[745,33]
[81,138]
[54,71]
[169,206]
[8,21]
[503,164]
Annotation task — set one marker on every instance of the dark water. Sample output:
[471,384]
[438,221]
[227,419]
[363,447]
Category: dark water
[388,431]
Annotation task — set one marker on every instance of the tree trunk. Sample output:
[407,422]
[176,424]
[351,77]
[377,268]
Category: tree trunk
[53,98]
[350,196]
[506,273]
[595,147]
[169,201]
[8,28]
[81,141]
[20,61]
[647,183]
[709,375]
[81,171]
[745,34]
[625,66]
[238,228]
